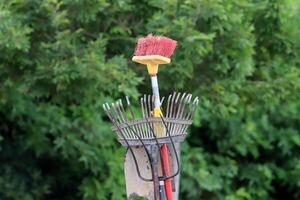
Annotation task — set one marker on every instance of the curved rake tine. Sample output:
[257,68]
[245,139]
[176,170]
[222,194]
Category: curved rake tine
[176,107]
[115,113]
[110,114]
[177,126]
[150,98]
[143,144]
[135,160]
[172,109]
[172,105]
[145,110]
[162,101]
[168,109]
[145,105]
[132,114]
[143,114]
[121,119]
[185,111]
[168,106]
[180,105]
[130,109]
[142,105]
[106,110]
[121,110]
[133,155]
[194,105]
[186,101]
[187,106]
[192,111]
[119,107]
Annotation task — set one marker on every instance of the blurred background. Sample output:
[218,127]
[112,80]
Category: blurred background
[61,59]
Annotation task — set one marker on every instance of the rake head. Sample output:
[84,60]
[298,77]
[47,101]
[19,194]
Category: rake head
[179,110]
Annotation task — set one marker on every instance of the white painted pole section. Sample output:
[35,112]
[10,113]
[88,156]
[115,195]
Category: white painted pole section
[155,91]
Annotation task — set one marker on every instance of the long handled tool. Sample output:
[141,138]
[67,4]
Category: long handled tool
[138,135]
[153,51]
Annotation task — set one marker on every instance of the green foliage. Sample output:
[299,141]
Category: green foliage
[61,59]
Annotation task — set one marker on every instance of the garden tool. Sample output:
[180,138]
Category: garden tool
[154,136]
[153,51]
[138,135]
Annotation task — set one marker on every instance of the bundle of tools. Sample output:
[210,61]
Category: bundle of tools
[155,136]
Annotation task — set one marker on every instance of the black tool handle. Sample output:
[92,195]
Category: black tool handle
[162,191]
[155,180]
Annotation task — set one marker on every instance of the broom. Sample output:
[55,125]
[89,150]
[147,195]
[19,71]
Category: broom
[153,51]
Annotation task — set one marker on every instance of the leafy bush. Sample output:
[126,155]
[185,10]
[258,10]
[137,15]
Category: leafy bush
[60,60]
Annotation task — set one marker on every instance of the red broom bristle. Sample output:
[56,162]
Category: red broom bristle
[155,45]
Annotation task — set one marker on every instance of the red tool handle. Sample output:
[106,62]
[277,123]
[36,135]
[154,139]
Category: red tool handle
[166,166]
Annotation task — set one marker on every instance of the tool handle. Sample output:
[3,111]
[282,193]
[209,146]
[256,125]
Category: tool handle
[164,150]
[166,166]
[155,182]
[162,190]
